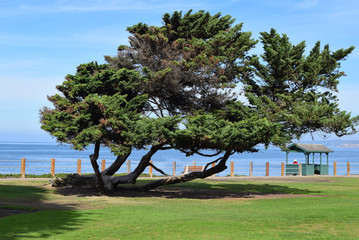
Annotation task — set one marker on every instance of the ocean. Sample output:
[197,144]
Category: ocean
[38,159]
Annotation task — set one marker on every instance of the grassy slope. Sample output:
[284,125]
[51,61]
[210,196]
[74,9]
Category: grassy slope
[333,214]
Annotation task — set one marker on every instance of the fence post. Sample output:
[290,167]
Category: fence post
[174,168]
[213,165]
[267,169]
[251,169]
[53,167]
[300,169]
[232,169]
[128,166]
[348,168]
[79,166]
[103,165]
[150,170]
[335,168]
[194,163]
[23,164]
[282,169]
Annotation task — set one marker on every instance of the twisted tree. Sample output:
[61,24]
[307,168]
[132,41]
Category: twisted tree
[176,87]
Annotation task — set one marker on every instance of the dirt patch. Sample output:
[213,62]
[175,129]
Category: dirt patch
[191,193]
[9,212]
[53,204]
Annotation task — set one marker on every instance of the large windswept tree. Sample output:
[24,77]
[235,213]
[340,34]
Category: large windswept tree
[174,87]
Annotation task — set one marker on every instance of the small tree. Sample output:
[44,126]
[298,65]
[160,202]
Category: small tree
[172,88]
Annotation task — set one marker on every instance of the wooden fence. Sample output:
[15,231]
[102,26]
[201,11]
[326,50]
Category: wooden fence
[234,169]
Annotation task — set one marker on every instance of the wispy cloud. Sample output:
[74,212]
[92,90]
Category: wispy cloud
[293,4]
[32,89]
[305,4]
[103,5]
[109,35]
[346,13]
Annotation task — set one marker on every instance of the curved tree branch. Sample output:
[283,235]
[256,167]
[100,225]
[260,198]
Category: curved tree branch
[132,177]
[116,165]
[208,155]
[221,166]
[93,158]
[158,170]
[208,164]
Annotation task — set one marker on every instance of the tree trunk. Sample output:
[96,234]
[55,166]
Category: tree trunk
[93,158]
[221,166]
[107,183]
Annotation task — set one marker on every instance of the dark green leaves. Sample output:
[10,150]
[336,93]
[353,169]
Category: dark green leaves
[173,86]
[298,90]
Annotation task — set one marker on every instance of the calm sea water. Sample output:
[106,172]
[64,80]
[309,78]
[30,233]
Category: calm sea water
[38,157]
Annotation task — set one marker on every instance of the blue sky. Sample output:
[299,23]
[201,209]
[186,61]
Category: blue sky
[43,41]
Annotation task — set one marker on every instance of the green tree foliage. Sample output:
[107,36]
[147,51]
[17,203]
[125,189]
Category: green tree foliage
[299,90]
[174,87]
[192,61]
[97,104]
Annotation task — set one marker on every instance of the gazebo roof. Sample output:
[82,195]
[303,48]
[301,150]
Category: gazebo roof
[309,148]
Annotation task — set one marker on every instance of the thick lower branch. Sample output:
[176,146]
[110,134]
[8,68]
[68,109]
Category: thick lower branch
[132,177]
[116,165]
[221,166]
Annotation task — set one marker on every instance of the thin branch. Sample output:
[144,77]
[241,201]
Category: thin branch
[154,101]
[158,170]
[205,168]
[208,155]
[195,151]
[166,148]
[155,111]
[188,153]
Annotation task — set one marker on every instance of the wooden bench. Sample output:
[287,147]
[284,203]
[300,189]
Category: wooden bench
[188,169]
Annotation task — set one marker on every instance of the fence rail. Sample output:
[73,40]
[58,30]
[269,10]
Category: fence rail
[234,169]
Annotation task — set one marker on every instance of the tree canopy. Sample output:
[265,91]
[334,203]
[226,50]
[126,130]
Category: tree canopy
[177,86]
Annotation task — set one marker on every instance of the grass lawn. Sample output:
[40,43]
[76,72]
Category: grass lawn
[270,208]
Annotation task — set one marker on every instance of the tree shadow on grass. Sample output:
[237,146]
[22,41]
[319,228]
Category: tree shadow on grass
[199,190]
[39,219]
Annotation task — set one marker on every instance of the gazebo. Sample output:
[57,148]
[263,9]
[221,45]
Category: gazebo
[307,167]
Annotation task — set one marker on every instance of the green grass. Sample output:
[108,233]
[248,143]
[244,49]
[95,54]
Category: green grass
[326,209]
